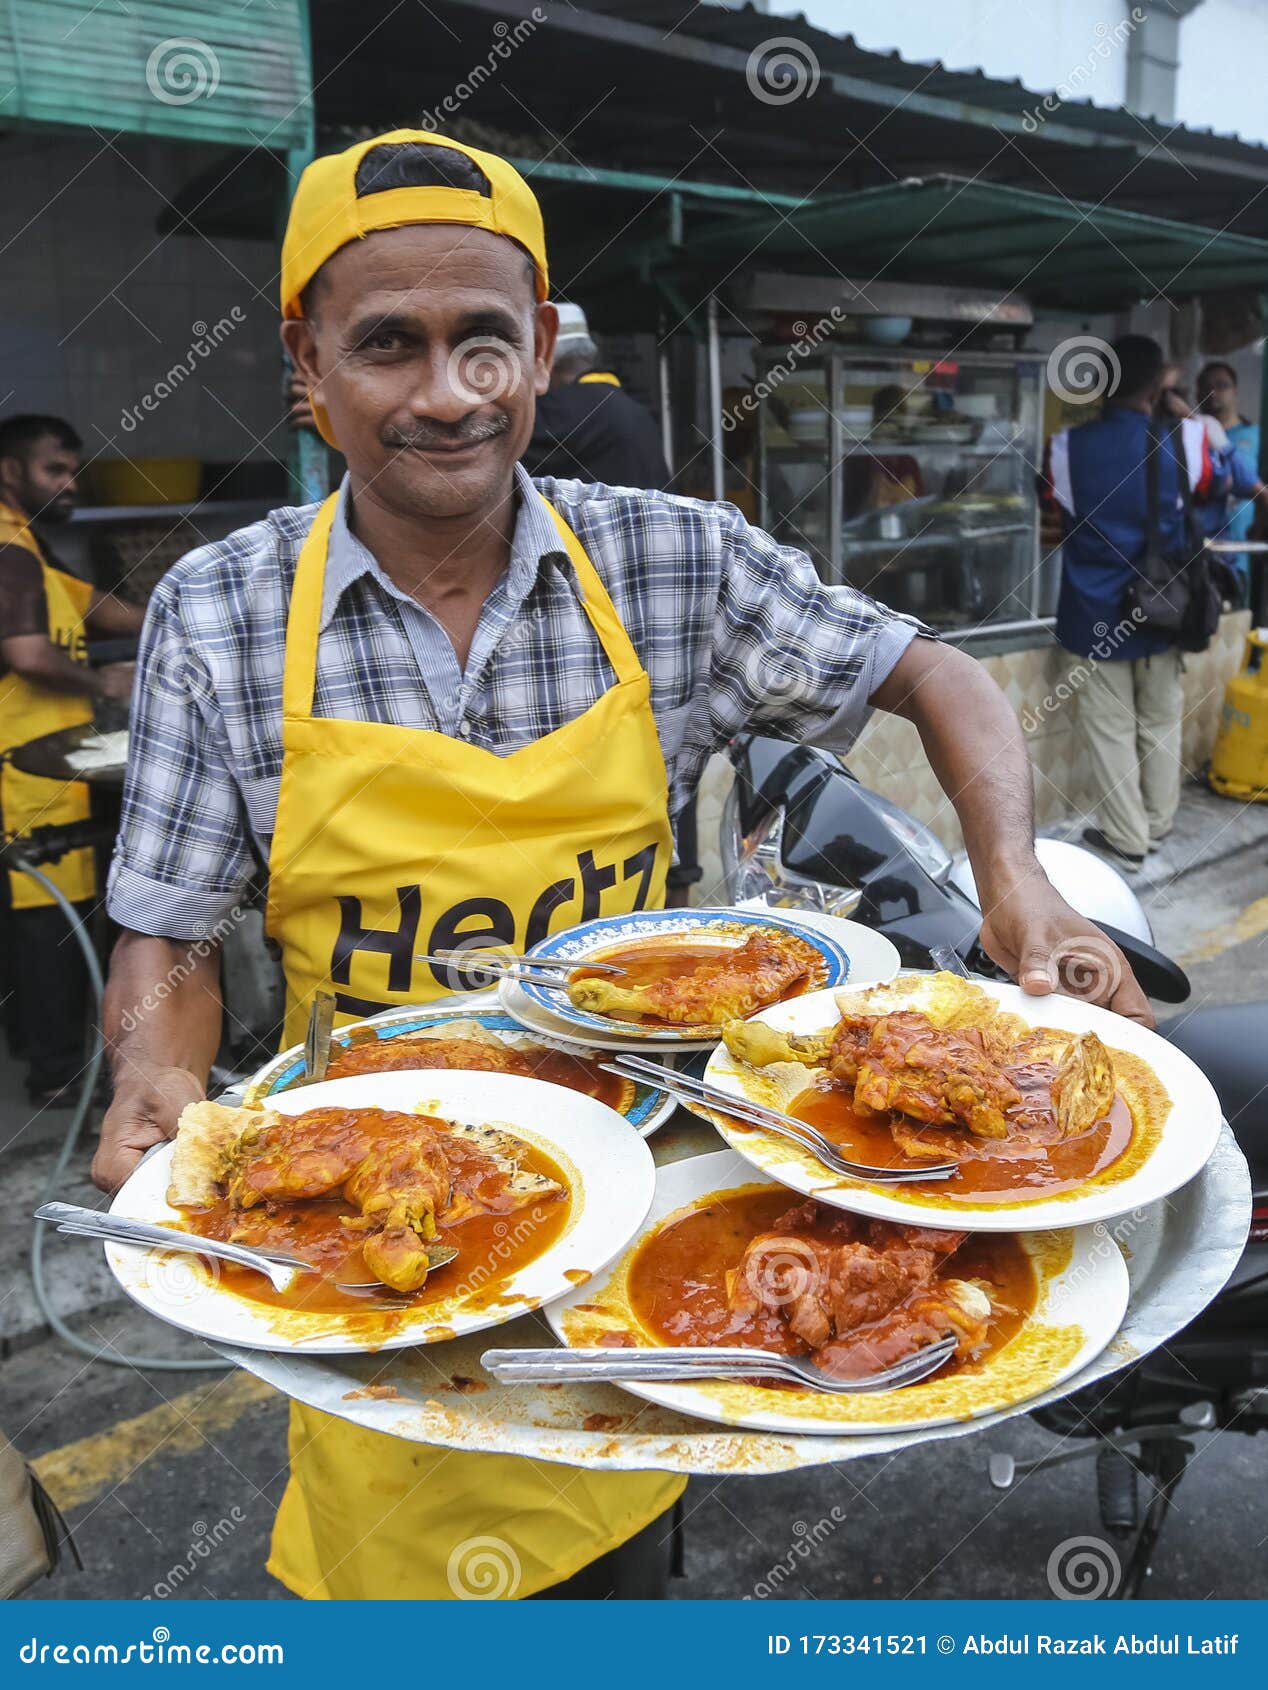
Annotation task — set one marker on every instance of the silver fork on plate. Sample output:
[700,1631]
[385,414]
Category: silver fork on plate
[277,1266]
[511,965]
[703,1092]
[684,1365]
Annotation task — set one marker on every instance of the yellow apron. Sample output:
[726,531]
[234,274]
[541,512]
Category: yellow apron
[390,841]
[28,710]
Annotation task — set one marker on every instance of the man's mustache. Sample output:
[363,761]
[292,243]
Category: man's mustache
[429,434]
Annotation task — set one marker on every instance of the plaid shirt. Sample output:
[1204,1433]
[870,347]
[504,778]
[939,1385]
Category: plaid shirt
[735,632]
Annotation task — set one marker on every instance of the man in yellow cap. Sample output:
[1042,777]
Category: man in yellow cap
[452,705]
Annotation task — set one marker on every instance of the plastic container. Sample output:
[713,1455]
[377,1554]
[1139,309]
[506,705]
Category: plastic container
[147,481]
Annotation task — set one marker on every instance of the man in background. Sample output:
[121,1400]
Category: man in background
[1129,706]
[587,427]
[1231,518]
[46,685]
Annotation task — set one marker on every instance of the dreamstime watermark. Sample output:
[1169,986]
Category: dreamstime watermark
[780,1271]
[483,1569]
[508,1238]
[203,1544]
[1107,642]
[1083,369]
[156,1650]
[1083,1569]
[482,372]
[206,339]
[507,38]
[174,1277]
[781,70]
[1108,38]
[806,1540]
[204,943]
[1111,1240]
[807,341]
[181,70]
[1086,966]
[781,674]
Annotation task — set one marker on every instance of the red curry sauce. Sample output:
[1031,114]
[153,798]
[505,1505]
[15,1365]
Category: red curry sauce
[491,1246]
[647,963]
[677,1280]
[1031,1161]
[538,1062]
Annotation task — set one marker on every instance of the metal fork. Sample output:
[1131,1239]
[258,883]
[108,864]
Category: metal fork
[506,965]
[277,1266]
[683,1365]
[691,1090]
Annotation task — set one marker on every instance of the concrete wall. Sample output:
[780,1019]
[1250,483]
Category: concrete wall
[96,309]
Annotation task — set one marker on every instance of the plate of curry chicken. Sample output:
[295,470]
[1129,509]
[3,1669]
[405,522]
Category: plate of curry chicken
[482,1040]
[1055,1112]
[423,1205]
[668,976]
[730,1257]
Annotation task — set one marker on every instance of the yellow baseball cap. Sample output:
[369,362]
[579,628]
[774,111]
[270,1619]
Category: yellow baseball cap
[327,213]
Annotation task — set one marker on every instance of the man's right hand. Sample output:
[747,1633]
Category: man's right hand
[139,1118]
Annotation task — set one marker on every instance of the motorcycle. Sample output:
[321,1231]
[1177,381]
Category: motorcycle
[799,831]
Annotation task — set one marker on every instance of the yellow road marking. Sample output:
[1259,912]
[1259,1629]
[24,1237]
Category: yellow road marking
[78,1472]
[1249,924]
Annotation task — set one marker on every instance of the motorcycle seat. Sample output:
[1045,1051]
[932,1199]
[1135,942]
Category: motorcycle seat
[1229,1043]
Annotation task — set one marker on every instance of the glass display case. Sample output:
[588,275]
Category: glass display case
[910,475]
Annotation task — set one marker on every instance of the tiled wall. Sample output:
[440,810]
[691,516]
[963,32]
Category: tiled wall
[96,308]
[889,758]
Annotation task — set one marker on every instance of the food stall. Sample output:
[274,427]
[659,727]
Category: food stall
[910,472]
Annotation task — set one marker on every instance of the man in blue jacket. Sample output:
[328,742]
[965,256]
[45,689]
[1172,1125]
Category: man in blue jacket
[1128,695]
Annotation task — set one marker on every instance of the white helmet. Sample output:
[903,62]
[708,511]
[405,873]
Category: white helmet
[1087,883]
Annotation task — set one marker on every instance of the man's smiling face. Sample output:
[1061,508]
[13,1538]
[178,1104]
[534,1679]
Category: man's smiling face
[426,347]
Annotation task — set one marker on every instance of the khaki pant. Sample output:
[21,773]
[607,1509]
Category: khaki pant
[1128,715]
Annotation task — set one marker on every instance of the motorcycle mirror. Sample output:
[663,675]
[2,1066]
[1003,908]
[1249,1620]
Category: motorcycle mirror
[769,773]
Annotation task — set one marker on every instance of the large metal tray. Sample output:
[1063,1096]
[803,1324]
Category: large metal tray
[1179,1253]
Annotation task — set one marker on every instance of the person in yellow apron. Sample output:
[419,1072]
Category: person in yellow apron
[46,685]
[394,830]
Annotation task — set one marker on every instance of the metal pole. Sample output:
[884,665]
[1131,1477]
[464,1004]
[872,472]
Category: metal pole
[715,400]
[666,404]
[307,463]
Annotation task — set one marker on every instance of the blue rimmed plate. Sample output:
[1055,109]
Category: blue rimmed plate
[645,1110]
[594,939]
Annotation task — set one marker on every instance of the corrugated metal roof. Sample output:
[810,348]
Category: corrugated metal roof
[214,71]
[1053,251]
[746,28]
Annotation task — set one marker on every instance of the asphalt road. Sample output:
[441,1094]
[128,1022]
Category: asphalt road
[170,1479]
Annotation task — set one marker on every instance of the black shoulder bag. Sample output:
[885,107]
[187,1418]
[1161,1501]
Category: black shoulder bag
[1178,590]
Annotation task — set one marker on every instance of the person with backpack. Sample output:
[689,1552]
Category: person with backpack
[1137,591]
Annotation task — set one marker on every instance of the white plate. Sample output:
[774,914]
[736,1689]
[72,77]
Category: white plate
[1083,1294]
[874,959]
[520,1007]
[1189,1136]
[728,927]
[611,1177]
[649,1109]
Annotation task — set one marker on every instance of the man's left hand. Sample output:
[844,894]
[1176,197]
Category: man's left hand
[1047,947]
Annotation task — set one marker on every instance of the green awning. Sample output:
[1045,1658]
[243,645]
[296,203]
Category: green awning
[1055,251]
[212,71]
